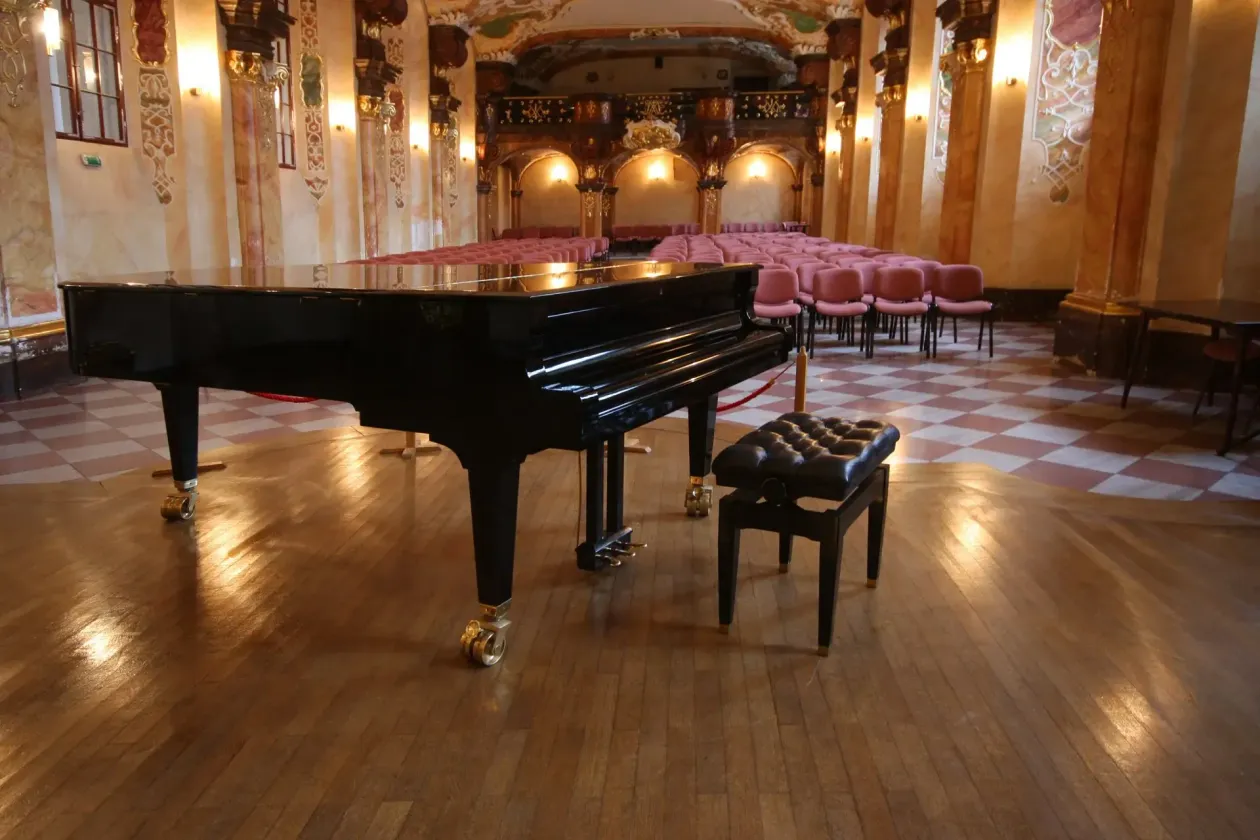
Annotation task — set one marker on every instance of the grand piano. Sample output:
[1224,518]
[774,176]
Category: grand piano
[495,362]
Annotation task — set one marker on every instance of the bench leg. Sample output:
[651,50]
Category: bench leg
[728,565]
[876,515]
[829,551]
[785,552]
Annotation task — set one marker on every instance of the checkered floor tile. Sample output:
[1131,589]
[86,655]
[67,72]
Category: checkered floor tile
[1015,412]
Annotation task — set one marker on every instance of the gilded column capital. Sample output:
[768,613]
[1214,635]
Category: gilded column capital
[890,95]
[967,57]
[846,122]
[245,66]
[371,107]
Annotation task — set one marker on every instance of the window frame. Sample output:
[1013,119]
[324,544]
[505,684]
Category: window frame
[69,58]
[285,141]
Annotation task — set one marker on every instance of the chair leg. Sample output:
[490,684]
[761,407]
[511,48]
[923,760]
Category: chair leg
[1207,383]
[991,320]
[829,551]
[785,552]
[812,325]
[980,341]
[955,328]
[728,563]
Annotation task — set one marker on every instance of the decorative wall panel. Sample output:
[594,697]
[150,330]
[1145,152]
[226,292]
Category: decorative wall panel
[944,101]
[1065,90]
[315,170]
[157,118]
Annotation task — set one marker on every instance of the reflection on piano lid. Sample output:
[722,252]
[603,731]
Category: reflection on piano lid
[516,279]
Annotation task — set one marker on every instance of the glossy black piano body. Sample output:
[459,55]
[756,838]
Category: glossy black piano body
[495,362]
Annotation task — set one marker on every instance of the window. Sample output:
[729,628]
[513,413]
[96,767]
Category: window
[86,75]
[285,147]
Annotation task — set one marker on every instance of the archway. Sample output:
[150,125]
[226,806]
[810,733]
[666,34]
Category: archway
[549,197]
[656,188]
[759,179]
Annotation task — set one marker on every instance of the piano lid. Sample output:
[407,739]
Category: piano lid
[504,280]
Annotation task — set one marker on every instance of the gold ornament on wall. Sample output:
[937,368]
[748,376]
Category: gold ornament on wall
[13,30]
[157,128]
[651,134]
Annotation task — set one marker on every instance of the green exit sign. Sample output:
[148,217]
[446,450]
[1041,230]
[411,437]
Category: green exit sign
[91,161]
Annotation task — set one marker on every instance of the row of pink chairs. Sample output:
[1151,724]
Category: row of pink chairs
[503,251]
[554,232]
[876,286]
[762,227]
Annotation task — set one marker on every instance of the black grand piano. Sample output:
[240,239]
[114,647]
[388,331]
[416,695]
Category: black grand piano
[495,362]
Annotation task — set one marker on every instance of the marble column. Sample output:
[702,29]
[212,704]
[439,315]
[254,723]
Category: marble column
[711,204]
[798,202]
[1096,319]
[494,78]
[893,65]
[813,73]
[373,74]
[592,138]
[817,181]
[591,201]
[250,32]
[715,126]
[448,50]
[968,67]
[610,209]
[516,204]
[372,171]
[28,270]
[844,44]
[256,167]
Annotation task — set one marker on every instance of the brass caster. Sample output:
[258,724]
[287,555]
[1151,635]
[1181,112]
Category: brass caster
[699,500]
[483,645]
[179,507]
[871,583]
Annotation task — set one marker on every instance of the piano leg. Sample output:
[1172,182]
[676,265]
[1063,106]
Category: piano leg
[701,420]
[607,538]
[492,489]
[179,409]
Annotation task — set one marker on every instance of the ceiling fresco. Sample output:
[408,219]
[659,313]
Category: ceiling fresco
[501,27]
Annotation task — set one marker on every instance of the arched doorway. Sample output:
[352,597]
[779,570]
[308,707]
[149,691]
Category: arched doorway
[656,188]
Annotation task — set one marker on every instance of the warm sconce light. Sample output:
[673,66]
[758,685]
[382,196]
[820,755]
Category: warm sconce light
[199,69]
[982,54]
[865,129]
[52,27]
[918,103]
[656,170]
[833,142]
[559,172]
[420,136]
[467,150]
[341,114]
[757,170]
[1012,60]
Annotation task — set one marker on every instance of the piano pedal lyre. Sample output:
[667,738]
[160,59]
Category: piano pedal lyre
[634,446]
[699,498]
[484,640]
[411,448]
[616,553]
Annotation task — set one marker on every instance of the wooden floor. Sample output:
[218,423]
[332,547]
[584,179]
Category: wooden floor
[1036,663]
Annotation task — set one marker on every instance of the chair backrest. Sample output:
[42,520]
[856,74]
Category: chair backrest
[899,283]
[530,233]
[807,272]
[776,285]
[929,269]
[959,282]
[837,285]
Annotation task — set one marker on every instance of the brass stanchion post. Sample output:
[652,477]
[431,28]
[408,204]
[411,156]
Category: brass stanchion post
[802,369]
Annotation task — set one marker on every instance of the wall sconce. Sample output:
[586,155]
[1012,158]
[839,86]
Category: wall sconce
[51,27]
[865,129]
[342,114]
[559,173]
[656,170]
[420,136]
[833,142]
[467,150]
[757,170]
[1012,60]
[199,69]
[918,103]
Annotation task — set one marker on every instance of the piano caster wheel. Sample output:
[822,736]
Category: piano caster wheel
[483,645]
[179,507]
[699,500]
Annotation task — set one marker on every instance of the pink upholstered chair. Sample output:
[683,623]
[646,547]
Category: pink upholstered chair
[929,269]
[838,294]
[1221,355]
[776,295]
[899,296]
[960,294]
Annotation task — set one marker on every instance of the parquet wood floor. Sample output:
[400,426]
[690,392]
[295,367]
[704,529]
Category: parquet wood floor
[1036,663]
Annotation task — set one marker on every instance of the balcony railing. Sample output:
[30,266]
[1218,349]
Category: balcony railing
[772,105]
[671,107]
[536,110]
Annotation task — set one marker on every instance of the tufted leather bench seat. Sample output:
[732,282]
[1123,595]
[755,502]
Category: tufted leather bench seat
[802,456]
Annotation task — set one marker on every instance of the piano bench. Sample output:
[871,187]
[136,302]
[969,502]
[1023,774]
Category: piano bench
[802,456]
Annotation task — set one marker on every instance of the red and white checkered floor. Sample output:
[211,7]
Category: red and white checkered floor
[1016,413]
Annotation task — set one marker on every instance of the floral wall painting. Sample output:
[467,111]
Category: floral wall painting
[1066,80]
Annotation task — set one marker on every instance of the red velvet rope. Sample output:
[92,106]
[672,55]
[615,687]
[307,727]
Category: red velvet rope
[282,397]
[757,393]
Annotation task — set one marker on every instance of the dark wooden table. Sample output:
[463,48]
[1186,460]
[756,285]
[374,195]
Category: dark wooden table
[1240,318]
